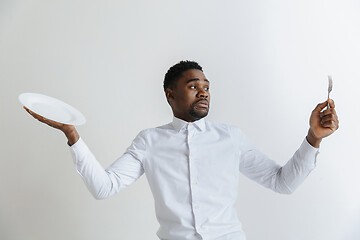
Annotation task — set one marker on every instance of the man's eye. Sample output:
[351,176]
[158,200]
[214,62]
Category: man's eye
[206,89]
[193,87]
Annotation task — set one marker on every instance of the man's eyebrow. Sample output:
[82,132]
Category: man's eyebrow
[196,79]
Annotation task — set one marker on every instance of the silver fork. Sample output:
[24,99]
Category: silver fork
[330,88]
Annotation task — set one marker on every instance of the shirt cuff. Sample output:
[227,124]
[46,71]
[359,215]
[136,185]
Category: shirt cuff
[78,150]
[308,153]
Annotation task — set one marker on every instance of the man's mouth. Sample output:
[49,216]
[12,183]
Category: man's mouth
[202,103]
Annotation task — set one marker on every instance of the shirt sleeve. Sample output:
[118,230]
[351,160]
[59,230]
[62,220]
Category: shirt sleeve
[265,171]
[103,183]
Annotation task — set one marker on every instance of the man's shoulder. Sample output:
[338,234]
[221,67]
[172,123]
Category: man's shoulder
[155,129]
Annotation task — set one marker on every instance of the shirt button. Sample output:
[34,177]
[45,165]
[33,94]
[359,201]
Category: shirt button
[196,206]
[194,182]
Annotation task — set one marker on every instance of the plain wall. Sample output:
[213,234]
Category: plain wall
[267,61]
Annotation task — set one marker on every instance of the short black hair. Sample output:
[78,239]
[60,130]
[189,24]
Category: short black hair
[175,72]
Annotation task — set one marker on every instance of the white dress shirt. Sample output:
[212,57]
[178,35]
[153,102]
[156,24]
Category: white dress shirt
[192,170]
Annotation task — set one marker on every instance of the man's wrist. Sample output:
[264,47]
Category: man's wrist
[72,136]
[312,140]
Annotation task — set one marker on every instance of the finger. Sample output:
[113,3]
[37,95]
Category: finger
[329,111]
[42,119]
[29,111]
[51,123]
[46,121]
[327,123]
[26,109]
[32,113]
[37,116]
[320,106]
[330,124]
[328,117]
[333,123]
[331,103]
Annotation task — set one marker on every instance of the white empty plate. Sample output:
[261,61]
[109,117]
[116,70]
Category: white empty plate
[52,108]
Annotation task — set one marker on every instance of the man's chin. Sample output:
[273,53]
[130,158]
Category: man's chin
[198,114]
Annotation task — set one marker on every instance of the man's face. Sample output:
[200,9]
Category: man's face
[190,97]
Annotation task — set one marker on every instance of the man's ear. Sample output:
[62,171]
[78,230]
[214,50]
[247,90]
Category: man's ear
[169,95]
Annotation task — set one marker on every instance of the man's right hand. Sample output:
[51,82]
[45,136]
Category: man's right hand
[69,130]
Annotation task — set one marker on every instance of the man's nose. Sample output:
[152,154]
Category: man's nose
[202,93]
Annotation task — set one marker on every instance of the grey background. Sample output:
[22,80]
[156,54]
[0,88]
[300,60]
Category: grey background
[267,61]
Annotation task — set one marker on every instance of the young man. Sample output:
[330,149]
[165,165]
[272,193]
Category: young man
[192,165]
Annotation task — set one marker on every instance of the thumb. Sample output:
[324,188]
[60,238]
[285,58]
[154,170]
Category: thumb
[320,106]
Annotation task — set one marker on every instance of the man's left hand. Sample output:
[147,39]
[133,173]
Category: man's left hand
[322,123]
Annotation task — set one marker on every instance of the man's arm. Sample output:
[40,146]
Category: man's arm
[285,179]
[102,183]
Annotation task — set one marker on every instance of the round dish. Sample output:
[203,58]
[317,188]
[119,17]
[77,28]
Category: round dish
[52,108]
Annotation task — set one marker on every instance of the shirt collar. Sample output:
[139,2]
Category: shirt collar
[179,124]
